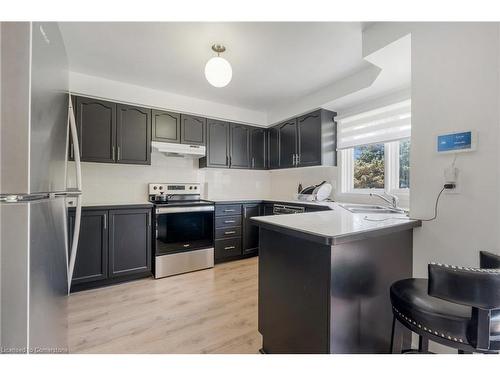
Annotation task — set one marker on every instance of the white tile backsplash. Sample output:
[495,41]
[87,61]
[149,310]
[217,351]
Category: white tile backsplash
[105,183]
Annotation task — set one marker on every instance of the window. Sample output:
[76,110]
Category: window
[404,164]
[369,166]
[375,149]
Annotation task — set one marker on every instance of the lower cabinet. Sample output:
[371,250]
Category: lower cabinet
[129,240]
[114,246]
[235,236]
[92,255]
[250,231]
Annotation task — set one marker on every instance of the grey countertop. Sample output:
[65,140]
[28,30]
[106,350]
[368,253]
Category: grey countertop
[286,201]
[336,225]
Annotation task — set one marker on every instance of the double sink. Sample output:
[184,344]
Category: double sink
[371,209]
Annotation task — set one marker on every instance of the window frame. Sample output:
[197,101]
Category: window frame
[391,171]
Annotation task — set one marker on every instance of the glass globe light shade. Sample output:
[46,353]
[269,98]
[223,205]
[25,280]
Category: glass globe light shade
[218,72]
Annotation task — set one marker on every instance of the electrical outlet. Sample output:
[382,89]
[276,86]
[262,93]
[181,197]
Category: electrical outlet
[451,177]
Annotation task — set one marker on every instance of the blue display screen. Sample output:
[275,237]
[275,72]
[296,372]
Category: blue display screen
[455,141]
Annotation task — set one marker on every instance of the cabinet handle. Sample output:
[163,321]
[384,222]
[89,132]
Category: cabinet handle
[118,157]
[113,152]
[229,221]
[229,247]
[104,224]
[230,232]
[227,210]
[186,245]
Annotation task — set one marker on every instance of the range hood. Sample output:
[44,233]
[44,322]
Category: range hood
[178,149]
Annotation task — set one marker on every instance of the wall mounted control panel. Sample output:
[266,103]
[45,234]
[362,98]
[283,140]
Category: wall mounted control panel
[463,141]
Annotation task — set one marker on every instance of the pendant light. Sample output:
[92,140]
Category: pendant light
[218,71]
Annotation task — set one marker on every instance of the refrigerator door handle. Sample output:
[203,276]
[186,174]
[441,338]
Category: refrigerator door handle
[78,213]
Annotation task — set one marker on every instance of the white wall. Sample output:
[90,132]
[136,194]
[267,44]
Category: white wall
[84,84]
[455,86]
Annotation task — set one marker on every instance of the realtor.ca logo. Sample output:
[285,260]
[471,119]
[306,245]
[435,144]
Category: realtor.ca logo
[35,350]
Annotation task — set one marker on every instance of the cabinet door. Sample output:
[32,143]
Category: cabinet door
[129,242]
[268,209]
[273,148]
[217,144]
[239,156]
[133,135]
[92,254]
[309,139]
[193,129]
[166,126]
[287,143]
[96,125]
[250,231]
[258,148]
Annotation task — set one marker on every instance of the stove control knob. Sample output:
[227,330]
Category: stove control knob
[190,188]
[154,187]
[161,187]
[196,187]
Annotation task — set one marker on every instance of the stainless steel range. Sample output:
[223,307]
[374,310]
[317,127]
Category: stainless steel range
[184,229]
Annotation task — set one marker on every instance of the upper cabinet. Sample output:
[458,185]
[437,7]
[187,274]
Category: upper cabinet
[133,135]
[239,146]
[217,145]
[273,159]
[166,126]
[113,133]
[193,130]
[258,148]
[308,140]
[96,127]
[287,143]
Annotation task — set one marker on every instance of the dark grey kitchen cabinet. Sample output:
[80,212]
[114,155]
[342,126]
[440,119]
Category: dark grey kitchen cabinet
[129,241]
[309,139]
[258,148]
[267,209]
[114,245]
[287,143]
[217,145]
[91,262]
[239,146]
[273,161]
[193,130]
[133,135]
[96,126]
[166,126]
[250,231]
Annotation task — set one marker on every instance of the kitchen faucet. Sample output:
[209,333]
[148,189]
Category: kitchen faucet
[393,201]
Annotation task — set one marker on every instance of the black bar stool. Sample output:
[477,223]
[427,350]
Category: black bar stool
[457,306]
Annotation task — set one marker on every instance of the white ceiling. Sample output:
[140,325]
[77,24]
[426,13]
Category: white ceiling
[273,63]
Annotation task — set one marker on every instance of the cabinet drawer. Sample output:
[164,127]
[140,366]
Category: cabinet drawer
[227,232]
[227,248]
[227,221]
[227,209]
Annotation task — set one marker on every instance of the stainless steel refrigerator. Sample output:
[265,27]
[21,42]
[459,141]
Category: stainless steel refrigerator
[36,123]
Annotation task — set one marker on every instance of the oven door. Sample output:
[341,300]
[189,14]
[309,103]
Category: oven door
[181,229]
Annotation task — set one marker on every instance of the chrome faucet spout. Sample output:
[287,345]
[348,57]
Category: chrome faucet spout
[392,200]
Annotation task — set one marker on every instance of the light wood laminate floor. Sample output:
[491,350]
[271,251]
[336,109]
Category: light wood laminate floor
[209,311]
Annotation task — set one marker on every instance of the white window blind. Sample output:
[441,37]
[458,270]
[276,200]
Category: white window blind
[384,124]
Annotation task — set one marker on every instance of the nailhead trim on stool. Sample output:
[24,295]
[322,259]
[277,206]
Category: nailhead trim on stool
[442,335]
[484,270]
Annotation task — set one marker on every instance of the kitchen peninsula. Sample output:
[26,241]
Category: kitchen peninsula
[324,280]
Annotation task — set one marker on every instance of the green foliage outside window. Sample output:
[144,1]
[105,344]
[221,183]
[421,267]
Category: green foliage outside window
[369,166]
